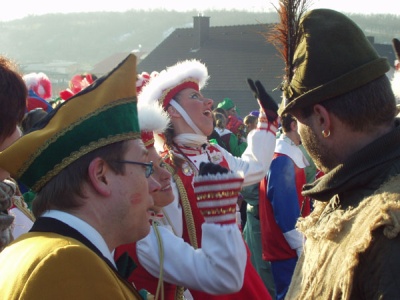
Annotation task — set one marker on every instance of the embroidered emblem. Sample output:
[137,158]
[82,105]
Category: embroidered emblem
[216,157]
[186,169]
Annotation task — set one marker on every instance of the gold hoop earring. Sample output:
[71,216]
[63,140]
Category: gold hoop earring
[326,134]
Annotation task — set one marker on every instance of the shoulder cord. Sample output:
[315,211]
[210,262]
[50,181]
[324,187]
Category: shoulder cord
[166,216]
[191,164]
[160,285]
[18,201]
[187,211]
[20,204]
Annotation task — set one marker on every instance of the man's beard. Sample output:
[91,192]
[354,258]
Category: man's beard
[322,156]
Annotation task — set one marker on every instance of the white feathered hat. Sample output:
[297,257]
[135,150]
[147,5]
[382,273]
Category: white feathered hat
[172,80]
[152,117]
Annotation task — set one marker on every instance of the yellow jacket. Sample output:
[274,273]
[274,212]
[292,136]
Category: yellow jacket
[48,265]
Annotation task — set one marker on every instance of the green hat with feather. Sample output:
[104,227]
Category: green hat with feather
[332,57]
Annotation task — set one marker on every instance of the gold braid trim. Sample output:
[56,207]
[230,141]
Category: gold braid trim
[218,211]
[216,195]
[148,143]
[82,151]
[187,210]
[20,204]
[68,128]
[189,220]
[179,293]
[165,93]
[160,284]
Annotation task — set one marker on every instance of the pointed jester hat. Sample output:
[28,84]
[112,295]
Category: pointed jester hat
[101,114]
[332,57]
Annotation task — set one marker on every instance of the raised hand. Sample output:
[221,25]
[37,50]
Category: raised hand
[269,106]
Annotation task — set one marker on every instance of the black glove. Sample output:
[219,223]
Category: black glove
[268,104]
[210,168]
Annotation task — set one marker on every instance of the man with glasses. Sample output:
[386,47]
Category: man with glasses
[91,174]
[148,167]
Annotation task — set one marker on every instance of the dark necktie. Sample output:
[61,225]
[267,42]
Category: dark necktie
[125,265]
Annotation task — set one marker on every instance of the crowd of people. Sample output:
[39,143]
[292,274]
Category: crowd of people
[138,186]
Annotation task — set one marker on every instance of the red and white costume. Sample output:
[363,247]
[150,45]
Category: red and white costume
[254,171]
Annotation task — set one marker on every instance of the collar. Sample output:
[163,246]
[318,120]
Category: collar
[83,228]
[284,145]
[190,140]
[360,169]
[191,151]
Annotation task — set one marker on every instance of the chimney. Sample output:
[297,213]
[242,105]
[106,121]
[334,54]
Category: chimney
[201,26]
[371,39]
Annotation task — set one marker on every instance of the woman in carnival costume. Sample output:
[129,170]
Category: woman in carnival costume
[177,90]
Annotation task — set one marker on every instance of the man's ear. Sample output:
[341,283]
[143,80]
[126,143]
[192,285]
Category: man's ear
[99,171]
[323,118]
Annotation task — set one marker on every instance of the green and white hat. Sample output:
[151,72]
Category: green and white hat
[103,113]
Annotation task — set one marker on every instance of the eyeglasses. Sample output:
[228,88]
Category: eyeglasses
[149,166]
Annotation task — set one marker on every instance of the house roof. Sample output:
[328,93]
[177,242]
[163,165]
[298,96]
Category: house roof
[232,54]
[109,63]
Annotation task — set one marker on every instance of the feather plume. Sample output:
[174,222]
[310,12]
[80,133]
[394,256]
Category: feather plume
[285,35]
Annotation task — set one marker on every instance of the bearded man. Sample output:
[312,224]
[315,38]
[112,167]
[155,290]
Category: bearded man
[342,99]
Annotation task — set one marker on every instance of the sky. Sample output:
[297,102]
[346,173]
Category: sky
[16,9]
